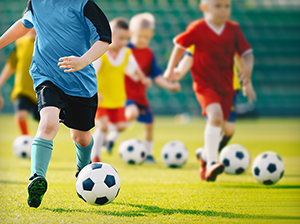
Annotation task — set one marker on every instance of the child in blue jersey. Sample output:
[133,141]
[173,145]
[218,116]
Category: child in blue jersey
[64,79]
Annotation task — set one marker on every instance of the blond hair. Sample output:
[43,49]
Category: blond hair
[142,21]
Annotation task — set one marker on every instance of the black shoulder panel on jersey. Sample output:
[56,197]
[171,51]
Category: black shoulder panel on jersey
[99,20]
[29,7]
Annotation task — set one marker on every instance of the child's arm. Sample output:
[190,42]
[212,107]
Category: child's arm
[247,64]
[183,67]
[7,71]
[142,77]
[16,31]
[160,81]
[249,91]
[174,58]
[73,64]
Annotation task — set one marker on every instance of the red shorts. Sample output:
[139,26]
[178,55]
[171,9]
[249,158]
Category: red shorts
[208,96]
[115,115]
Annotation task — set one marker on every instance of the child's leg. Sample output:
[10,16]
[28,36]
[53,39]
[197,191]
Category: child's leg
[42,143]
[149,139]
[132,112]
[212,132]
[84,142]
[99,137]
[21,119]
[228,133]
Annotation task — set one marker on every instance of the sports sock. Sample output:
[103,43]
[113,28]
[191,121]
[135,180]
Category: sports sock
[83,154]
[99,137]
[224,142]
[23,127]
[41,152]
[211,143]
[149,147]
[112,136]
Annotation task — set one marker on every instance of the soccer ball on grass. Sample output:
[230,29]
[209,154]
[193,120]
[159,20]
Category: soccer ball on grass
[22,146]
[174,154]
[132,151]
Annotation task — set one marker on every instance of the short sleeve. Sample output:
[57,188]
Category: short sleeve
[155,70]
[12,60]
[187,38]
[131,66]
[27,17]
[242,45]
[97,22]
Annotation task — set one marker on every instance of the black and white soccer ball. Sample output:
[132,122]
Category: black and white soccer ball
[98,184]
[268,168]
[174,154]
[22,146]
[235,158]
[133,151]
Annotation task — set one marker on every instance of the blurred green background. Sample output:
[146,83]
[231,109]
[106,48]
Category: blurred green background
[271,26]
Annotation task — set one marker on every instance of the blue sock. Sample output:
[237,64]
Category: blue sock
[83,154]
[41,152]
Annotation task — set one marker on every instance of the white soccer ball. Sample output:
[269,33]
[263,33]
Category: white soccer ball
[22,146]
[268,168]
[235,158]
[174,154]
[98,184]
[133,151]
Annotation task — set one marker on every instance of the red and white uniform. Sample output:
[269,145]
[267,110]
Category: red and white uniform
[213,60]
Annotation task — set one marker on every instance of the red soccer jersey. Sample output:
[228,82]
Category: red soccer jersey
[145,58]
[214,54]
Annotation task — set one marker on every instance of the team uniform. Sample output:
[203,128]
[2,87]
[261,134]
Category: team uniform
[64,28]
[236,85]
[213,61]
[23,95]
[78,89]
[111,83]
[136,91]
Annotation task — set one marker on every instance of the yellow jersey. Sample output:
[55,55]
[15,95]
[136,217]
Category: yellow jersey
[20,59]
[236,83]
[111,77]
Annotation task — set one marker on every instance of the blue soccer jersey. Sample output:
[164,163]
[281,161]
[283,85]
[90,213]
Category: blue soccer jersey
[65,28]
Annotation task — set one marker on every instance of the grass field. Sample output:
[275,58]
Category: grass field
[152,193]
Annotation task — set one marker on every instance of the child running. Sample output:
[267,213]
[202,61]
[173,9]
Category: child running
[228,129]
[23,95]
[137,106]
[111,69]
[64,78]
[216,41]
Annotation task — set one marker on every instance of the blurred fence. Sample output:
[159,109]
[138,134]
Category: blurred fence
[271,26]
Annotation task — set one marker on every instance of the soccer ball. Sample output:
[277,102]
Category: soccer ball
[268,168]
[174,154]
[98,184]
[133,151]
[235,158]
[22,146]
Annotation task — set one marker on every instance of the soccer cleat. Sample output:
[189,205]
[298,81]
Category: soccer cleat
[150,159]
[214,170]
[36,190]
[109,146]
[202,163]
[96,159]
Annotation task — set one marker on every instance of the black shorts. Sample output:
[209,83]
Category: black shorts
[76,112]
[25,103]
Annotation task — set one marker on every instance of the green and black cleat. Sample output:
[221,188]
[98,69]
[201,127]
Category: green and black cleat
[36,190]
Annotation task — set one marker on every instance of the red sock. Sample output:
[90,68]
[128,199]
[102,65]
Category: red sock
[23,127]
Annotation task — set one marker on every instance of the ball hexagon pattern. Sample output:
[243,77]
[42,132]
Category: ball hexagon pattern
[22,146]
[235,158]
[132,151]
[268,168]
[174,154]
[98,184]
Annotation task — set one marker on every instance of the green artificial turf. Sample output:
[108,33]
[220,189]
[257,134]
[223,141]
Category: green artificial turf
[152,193]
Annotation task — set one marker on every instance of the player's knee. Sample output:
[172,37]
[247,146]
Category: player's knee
[49,126]
[82,140]
[228,129]
[216,120]
[21,115]
[131,113]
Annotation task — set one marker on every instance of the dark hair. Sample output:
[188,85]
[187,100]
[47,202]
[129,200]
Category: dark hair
[120,23]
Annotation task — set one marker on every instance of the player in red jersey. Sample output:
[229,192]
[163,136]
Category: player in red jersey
[216,41]
[137,106]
